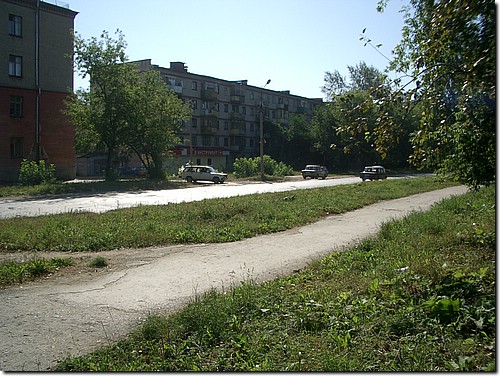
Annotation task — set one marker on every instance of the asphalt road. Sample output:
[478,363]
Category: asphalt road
[98,203]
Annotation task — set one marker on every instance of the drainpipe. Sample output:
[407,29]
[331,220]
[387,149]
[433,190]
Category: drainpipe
[37,81]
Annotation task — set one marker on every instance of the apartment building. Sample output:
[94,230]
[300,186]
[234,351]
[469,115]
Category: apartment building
[225,123]
[36,76]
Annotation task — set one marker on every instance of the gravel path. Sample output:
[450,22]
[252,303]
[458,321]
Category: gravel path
[77,310]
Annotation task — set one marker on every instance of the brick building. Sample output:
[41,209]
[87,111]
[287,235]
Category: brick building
[225,122]
[36,76]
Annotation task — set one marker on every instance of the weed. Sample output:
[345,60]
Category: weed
[98,262]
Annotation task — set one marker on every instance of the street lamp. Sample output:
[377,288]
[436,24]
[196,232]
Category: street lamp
[262,135]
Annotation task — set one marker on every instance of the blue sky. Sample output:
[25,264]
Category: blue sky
[291,42]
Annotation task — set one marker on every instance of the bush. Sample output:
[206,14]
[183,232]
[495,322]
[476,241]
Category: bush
[33,173]
[246,167]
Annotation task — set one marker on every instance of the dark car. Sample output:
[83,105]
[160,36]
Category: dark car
[131,171]
[373,173]
[315,172]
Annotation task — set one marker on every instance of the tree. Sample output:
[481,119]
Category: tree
[448,50]
[123,108]
[356,108]
[98,112]
[154,116]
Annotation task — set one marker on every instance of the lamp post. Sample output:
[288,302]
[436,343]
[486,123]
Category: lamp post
[262,135]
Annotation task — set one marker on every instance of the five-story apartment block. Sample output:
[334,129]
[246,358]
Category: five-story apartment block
[36,76]
[225,123]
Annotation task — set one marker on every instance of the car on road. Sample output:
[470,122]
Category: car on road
[373,173]
[194,173]
[315,172]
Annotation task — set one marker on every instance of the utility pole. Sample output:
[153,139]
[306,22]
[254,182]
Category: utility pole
[262,135]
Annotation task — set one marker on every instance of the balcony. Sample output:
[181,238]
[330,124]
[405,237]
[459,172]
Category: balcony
[237,99]
[209,112]
[236,116]
[237,131]
[208,129]
[210,95]
[176,88]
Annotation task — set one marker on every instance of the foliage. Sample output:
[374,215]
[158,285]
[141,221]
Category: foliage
[247,167]
[154,116]
[348,124]
[12,272]
[448,51]
[33,173]
[123,109]
[422,293]
[208,221]
[98,262]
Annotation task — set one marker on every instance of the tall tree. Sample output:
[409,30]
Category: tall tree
[98,112]
[123,108]
[154,116]
[448,49]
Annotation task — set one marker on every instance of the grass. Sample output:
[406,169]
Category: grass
[208,221]
[420,296]
[12,272]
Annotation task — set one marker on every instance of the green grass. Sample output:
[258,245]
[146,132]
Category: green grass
[207,221]
[420,296]
[12,272]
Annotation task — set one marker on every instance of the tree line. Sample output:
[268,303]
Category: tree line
[439,115]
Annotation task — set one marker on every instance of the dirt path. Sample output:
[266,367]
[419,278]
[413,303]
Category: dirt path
[78,310]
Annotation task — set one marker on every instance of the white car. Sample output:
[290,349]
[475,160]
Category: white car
[194,173]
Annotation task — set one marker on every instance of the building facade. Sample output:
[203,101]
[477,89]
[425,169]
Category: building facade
[225,123]
[36,76]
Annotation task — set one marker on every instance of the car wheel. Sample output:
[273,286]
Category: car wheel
[216,180]
[323,177]
[304,177]
[189,179]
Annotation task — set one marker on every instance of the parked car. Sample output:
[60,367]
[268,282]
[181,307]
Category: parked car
[373,173]
[315,172]
[193,173]
[131,171]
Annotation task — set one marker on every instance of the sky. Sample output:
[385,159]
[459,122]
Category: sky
[291,42]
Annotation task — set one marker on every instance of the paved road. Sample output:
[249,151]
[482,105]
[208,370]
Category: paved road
[98,203]
[47,320]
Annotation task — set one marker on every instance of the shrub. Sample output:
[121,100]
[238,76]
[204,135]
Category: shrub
[246,167]
[98,262]
[33,173]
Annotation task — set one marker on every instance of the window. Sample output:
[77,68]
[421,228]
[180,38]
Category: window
[15,25]
[226,107]
[226,125]
[226,141]
[15,65]
[194,141]
[16,147]
[209,161]
[206,141]
[194,104]
[244,110]
[216,141]
[194,122]
[16,106]
[194,85]
[252,96]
